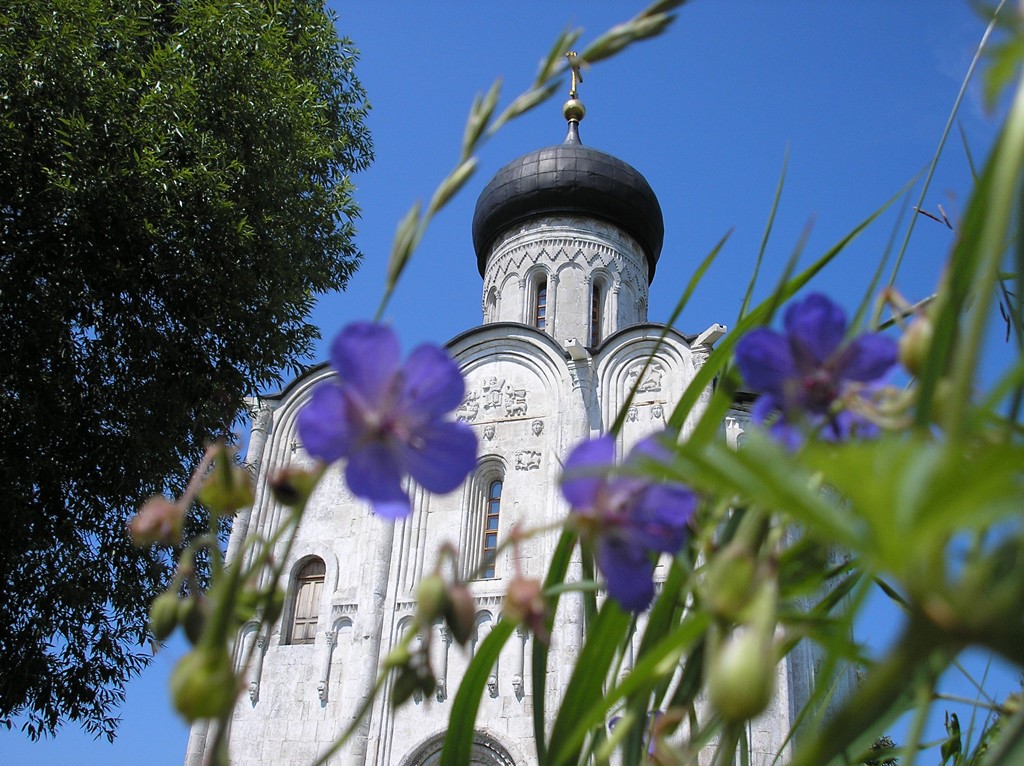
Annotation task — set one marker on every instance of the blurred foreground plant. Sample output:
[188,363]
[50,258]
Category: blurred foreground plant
[856,483]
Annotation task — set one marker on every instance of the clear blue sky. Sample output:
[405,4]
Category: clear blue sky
[858,92]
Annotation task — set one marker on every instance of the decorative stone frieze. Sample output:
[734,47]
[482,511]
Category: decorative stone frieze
[527,460]
[652,378]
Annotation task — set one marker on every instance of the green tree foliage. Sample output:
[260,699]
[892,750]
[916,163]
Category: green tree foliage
[174,194]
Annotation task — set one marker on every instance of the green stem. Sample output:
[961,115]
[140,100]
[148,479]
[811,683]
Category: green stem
[725,753]
[884,686]
[945,134]
[363,711]
[923,694]
[1002,199]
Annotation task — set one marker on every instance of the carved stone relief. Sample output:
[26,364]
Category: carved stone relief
[469,408]
[654,411]
[652,378]
[256,669]
[527,460]
[495,398]
[515,400]
[492,389]
[574,377]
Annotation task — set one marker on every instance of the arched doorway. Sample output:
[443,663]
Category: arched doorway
[487,751]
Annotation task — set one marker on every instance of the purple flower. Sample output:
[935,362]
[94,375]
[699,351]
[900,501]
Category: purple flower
[388,420]
[806,372]
[652,725]
[630,517]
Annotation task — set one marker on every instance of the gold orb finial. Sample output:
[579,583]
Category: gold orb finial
[573,110]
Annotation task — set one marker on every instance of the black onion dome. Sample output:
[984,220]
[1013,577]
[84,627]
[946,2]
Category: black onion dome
[569,179]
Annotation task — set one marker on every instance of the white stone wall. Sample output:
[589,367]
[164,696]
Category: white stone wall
[530,398]
[529,403]
[571,254]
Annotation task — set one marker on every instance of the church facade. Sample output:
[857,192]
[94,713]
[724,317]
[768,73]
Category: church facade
[567,239]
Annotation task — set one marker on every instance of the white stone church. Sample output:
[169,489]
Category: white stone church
[567,240]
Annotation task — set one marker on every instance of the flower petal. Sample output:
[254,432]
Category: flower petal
[660,518]
[817,325]
[627,572]
[765,360]
[867,359]
[656,448]
[392,510]
[764,407]
[586,470]
[373,473]
[443,455]
[787,434]
[324,423]
[433,385]
[366,355]
[847,424]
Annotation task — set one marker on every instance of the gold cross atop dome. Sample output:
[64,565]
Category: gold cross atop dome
[573,108]
[576,65]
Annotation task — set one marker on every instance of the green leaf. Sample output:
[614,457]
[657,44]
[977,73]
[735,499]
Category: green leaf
[479,115]
[451,185]
[918,497]
[524,103]
[1008,748]
[550,64]
[406,237]
[539,657]
[767,234]
[765,475]
[657,665]
[587,681]
[677,311]
[458,743]
[757,316]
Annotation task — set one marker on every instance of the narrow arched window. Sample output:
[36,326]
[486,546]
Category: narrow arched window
[595,314]
[309,585]
[491,305]
[540,305]
[491,511]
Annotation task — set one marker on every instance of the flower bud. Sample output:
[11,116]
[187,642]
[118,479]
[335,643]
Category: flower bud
[916,343]
[729,581]
[460,613]
[292,486]
[163,615]
[159,521]
[203,684]
[431,598]
[525,603]
[741,676]
[413,676]
[192,614]
[228,486]
[427,680]
[942,399]
[398,657]
[523,599]
[405,685]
